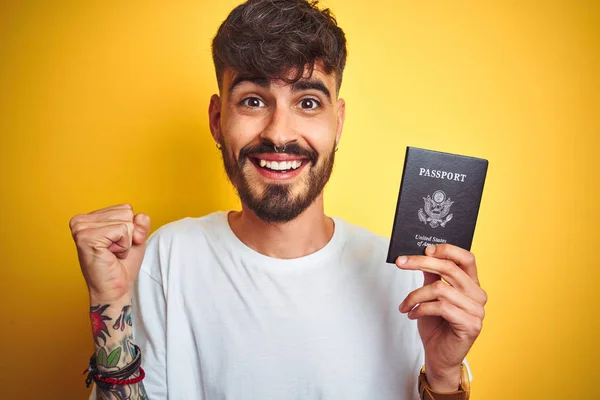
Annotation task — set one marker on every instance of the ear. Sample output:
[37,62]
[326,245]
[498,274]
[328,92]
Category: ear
[214,118]
[341,117]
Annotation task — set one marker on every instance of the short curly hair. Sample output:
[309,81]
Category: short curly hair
[270,38]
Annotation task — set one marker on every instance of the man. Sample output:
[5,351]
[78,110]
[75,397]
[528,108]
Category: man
[276,301]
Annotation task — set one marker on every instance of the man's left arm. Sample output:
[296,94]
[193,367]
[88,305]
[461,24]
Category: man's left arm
[449,308]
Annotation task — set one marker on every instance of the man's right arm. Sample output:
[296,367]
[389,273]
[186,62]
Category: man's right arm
[110,245]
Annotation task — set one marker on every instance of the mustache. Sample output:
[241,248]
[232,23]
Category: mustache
[269,147]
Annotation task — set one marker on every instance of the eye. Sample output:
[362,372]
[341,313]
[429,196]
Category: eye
[309,104]
[252,102]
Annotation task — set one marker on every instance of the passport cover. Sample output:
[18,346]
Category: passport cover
[438,202]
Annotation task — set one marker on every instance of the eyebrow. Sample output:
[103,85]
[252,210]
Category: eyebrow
[257,80]
[299,86]
[315,84]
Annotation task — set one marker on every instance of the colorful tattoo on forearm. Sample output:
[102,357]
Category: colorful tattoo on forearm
[108,360]
[133,392]
[99,328]
[109,356]
[124,318]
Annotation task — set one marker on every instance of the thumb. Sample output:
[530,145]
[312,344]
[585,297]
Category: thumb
[141,224]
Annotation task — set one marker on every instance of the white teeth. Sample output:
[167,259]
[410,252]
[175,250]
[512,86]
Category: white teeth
[281,165]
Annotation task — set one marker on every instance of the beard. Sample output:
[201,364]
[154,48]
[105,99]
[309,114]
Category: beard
[278,202]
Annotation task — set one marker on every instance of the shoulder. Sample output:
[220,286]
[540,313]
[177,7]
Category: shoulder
[367,251]
[187,230]
[177,238]
[187,227]
[359,239]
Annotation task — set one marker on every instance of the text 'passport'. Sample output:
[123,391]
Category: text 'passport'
[439,200]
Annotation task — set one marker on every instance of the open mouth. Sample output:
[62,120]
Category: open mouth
[279,166]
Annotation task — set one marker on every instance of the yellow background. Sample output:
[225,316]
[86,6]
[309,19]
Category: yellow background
[106,102]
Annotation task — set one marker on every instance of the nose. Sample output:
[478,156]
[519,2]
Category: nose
[279,129]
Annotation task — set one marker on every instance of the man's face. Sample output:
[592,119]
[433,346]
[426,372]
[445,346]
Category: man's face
[254,115]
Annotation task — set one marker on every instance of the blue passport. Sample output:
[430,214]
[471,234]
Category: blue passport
[439,200]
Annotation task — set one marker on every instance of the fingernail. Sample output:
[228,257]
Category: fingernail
[402,260]
[429,250]
[401,307]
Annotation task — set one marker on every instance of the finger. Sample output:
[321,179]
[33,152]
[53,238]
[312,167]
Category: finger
[449,271]
[114,238]
[444,268]
[94,225]
[444,292]
[118,214]
[459,319]
[429,278]
[141,223]
[113,215]
[111,208]
[142,228]
[121,247]
[461,257]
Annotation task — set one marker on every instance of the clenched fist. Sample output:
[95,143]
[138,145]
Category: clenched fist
[110,245]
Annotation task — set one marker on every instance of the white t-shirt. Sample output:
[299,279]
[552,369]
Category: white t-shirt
[218,320]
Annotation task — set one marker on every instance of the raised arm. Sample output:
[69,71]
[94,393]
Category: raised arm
[110,245]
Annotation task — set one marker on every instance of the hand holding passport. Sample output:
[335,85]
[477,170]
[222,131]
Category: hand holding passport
[438,204]
[439,200]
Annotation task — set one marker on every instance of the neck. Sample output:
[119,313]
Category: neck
[304,235]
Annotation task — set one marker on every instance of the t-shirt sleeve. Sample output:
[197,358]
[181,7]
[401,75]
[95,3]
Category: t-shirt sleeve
[149,322]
